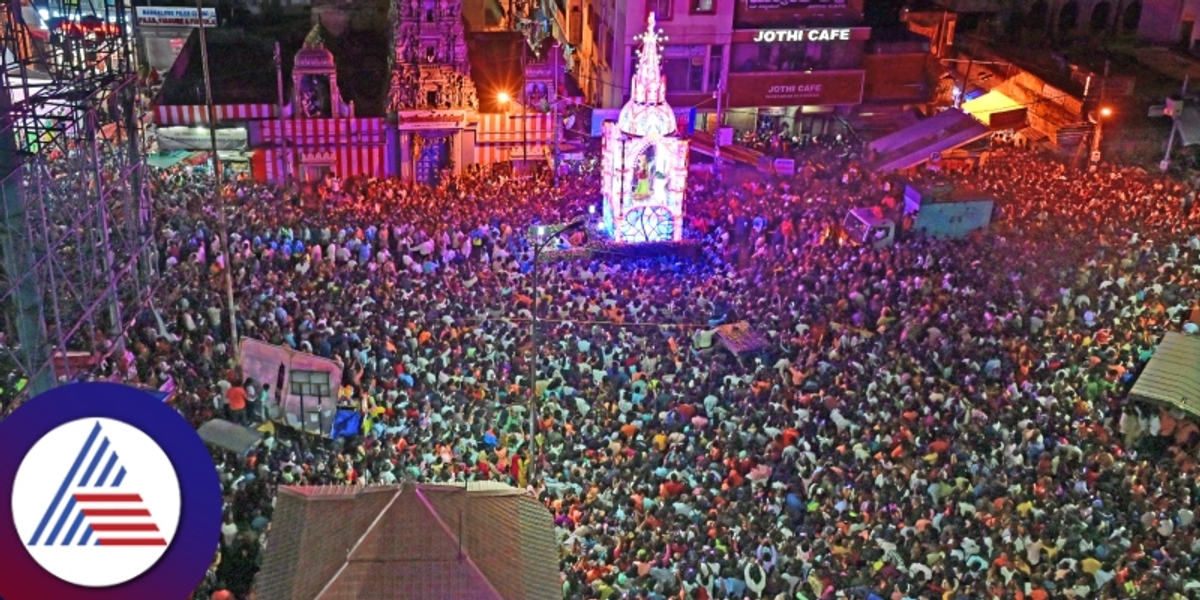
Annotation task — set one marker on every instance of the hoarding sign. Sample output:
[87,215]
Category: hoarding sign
[1008,119]
[821,88]
[539,72]
[199,138]
[164,16]
[795,4]
[685,119]
[421,120]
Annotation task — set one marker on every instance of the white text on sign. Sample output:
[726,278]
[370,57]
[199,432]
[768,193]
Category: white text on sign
[803,35]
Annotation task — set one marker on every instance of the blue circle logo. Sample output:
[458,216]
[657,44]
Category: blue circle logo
[112,494]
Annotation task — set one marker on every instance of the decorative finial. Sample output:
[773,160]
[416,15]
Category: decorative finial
[314,39]
[650,22]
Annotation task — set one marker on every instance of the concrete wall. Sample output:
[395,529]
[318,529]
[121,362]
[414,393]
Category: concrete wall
[626,20]
[340,16]
[1055,14]
[896,77]
[1163,20]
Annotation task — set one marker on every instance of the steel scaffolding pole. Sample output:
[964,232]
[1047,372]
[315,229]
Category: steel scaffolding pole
[77,225]
[25,293]
[222,214]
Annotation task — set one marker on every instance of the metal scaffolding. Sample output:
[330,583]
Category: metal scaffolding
[76,230]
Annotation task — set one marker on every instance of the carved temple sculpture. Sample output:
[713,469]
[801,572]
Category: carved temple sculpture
[645,160]
[315,93]
[430,70]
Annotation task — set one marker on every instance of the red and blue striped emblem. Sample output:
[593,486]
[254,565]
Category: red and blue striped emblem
[92,507]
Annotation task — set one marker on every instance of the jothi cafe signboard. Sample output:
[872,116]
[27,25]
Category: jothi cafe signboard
[815,34]
[819,88]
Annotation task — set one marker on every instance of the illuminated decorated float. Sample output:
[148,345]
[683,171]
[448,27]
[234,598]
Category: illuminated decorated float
[645,158]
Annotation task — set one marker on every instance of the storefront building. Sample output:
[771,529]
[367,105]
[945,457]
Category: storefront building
[795,65]
[695,54]
[181,117]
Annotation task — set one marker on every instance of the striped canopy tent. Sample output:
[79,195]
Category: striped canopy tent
[353,146]
[197,114]
[501,135]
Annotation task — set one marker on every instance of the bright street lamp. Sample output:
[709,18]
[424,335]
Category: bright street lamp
[1097,134]
[503,97]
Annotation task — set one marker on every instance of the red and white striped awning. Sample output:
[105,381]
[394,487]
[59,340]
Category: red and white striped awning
[318,132]
[501,128]
[346,160]
[197,114]
[486,154]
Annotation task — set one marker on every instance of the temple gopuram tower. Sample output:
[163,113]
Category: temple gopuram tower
[432,94]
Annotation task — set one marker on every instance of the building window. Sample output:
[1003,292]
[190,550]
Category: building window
[684,68]
[608,48]
[311,384]
[594,23]
[716,65]
[660,8]
[792,57]
[576,22]
[704,7]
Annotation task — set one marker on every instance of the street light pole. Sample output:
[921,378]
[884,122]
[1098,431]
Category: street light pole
[1096,135]
[534,350]
[541,240]
[1102,112]
[524,108]
[717,137]
[223,218]
[554,106]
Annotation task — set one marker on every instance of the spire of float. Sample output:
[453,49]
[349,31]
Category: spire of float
[648,85]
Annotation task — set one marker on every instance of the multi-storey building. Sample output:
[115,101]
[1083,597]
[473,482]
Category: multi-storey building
[788,66]
[695,55]
[794,64]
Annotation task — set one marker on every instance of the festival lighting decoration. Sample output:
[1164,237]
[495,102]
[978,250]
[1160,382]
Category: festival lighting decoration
[644,161]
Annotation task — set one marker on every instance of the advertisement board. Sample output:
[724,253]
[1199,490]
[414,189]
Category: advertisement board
[430,119]
[768,14]
[685,118]
[289,403]
[795,4]
[802,34]
[166,16]
[820,88]
[199,138]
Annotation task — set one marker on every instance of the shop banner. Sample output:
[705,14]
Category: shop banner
[198,138]
[821,88]
[795,4]
[163,16]
[685,118]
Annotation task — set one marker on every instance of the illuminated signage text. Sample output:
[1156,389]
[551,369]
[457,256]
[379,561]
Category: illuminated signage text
[770,36]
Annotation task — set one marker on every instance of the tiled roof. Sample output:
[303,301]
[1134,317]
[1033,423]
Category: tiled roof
[431,542]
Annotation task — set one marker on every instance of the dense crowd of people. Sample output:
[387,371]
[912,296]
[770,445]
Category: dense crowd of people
[935,419]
